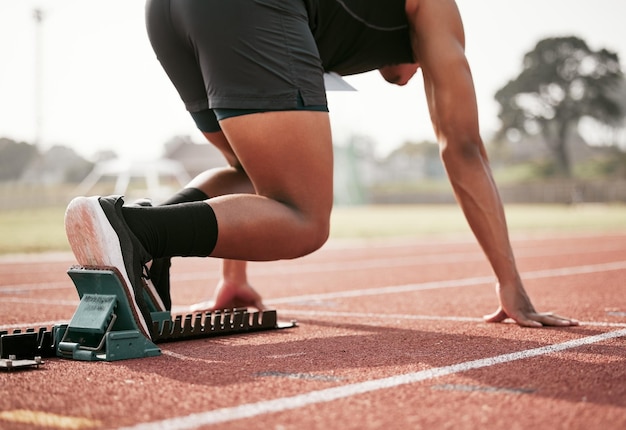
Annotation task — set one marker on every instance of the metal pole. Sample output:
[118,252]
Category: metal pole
[38,14]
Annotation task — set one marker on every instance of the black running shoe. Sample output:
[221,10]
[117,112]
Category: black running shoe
[99,236]
[157,281]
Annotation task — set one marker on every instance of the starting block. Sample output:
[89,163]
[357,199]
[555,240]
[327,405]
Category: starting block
[103,327]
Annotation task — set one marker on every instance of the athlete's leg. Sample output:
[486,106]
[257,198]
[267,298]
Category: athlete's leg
[222,56]
[233,288]
[288,157]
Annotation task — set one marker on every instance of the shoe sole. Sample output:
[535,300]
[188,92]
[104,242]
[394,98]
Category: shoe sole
[153,295]
[94,242]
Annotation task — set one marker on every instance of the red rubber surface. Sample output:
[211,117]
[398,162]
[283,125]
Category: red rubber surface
[389,335]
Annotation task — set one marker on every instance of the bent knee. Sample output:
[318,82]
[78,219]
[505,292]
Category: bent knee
[312,237]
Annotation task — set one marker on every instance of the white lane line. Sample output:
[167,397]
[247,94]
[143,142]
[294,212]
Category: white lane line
[249,410]
[548,273]
[396,289]
[35,325]
[47,302]
[331,314]
[361,263]
[379,316]
[365,263]
[22,288]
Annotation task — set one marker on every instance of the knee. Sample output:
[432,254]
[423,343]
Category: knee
[313,236]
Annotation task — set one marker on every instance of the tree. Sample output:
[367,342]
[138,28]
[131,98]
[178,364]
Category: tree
[15,158]
[562,82]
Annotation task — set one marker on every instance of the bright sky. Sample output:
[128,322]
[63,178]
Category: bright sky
[103,88]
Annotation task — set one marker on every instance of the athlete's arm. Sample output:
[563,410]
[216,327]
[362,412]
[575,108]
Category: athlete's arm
[439,46]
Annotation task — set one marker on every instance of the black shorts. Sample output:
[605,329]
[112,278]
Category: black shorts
[241,55]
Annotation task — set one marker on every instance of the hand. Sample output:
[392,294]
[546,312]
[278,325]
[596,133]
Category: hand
[515,304]
[229,295]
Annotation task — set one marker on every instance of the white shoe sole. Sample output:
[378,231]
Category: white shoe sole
[94,242]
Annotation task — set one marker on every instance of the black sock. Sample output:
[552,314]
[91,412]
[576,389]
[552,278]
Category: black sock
[186,195]
[185,229]
[160,268]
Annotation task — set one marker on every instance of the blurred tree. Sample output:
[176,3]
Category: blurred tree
[14,158]
[562,82]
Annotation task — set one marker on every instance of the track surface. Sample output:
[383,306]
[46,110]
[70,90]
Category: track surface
[389,336]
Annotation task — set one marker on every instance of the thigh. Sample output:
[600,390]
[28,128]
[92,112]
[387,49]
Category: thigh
[176,55]
[288,157]
[253,54]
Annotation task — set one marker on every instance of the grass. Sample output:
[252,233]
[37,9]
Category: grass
[30,231]
[431,220]
[41,230]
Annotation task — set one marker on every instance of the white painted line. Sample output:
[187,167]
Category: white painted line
[302,266]
[379,316]
[395,289]
[47,302]
[282,404]
[22,288]
[453,283]
[364,263]
[35,325]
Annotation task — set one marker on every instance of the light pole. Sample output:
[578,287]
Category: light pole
[38,14]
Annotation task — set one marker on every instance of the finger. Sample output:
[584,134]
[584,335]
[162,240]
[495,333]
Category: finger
[206,306]
[496,317]
[527,322]
[556,320]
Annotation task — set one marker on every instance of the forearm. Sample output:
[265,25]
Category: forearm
[234,271]
[475,191]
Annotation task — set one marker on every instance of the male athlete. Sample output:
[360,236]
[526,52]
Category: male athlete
[250,72]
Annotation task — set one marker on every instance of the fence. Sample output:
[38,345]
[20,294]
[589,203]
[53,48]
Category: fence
[554,191]
[21,196]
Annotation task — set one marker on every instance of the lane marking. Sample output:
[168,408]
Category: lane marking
[301,312]
[21,288]
[360,263]
[51,302]
[188,358]
[37,324]
[46,419]
[482,389]
[304,376]
[453,283]
[378,316]
[395,289]
[364,263]
[282,404]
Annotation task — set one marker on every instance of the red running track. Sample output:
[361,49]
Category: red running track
[389,336]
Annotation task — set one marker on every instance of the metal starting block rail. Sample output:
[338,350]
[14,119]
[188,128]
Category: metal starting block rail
[103,327]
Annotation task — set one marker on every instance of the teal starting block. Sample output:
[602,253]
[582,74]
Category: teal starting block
[103,327]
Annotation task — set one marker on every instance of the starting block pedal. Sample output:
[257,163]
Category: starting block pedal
[103,326]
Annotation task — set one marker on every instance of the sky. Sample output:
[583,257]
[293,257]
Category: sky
[102,87]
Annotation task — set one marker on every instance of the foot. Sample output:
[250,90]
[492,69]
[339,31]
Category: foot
[99,236]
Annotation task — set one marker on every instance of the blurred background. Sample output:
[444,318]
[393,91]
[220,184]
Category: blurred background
[85,108]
